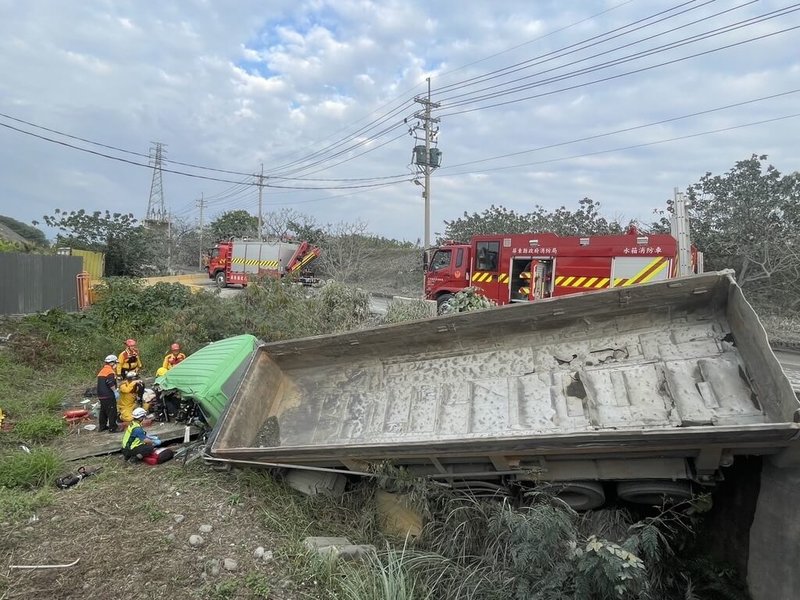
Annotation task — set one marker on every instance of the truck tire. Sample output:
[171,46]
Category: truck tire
[441,300]
[578,495]
[220,279]
[654,492]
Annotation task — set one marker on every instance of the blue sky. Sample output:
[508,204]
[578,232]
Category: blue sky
[234,85]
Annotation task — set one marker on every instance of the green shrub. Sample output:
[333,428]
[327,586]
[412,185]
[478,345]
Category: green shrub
[467,300]
[38,468]
[408,310]
[38,429]
[340,307]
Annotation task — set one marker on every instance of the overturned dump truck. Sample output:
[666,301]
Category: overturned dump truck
[638,393]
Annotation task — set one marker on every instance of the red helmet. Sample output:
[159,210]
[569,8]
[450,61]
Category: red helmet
[175,347]
[130,342]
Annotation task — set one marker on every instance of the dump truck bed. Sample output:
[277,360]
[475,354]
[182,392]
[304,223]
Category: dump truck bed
[659,373]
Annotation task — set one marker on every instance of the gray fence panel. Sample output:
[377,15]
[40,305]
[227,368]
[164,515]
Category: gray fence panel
[31,283]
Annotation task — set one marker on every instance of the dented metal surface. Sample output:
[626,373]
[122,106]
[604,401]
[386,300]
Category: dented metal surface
[662,369]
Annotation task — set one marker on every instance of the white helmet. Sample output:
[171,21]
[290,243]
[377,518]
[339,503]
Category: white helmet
[139,413]
[131,374]
[111,358]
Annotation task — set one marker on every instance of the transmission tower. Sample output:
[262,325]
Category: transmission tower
[156,207]
[426,156]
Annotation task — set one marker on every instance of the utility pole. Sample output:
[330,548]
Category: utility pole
[680,231]
[169,243]
[260,199]
[202,204]
[426,157]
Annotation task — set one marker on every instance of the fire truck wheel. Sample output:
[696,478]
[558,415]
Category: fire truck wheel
[441,300]
[220,279]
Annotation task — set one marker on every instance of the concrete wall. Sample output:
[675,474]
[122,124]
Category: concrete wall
[773,570]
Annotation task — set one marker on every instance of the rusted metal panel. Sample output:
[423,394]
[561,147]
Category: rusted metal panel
[35,282]
[94,263]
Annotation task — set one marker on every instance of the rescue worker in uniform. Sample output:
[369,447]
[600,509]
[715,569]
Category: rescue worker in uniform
[135,442]
[107,394]
[128,395]
[129,359]
[174,357]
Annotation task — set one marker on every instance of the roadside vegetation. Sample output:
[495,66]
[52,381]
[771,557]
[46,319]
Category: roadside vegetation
[483,549]
[528,546]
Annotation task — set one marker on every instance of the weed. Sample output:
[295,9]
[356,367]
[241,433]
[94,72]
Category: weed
[224,590]
[38,429]
[155,515]
[24,470]
[16,504]
[52,400]
[258,584]
[234,500]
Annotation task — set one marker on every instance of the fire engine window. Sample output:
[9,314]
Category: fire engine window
[486,256]
[441,260]
[460,257]
[214,252]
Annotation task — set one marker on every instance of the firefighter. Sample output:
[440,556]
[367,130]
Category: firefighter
[107,394]
[136,444]
[129,359]
[174,357]
[128,395]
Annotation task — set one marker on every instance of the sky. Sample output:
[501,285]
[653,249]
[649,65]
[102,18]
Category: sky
[538,103]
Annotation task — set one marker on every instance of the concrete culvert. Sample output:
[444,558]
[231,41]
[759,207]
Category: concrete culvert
[578,495]
[654,492]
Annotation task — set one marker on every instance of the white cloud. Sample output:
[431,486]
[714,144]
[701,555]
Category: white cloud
[232,84]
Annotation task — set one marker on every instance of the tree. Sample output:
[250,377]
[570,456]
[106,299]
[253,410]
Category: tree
[130,248]
[32,234]
[749,219]
[586,220]
[234,224]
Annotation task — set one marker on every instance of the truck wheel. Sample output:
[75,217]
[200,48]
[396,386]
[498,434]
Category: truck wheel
[220,279]
[440,301]
[578,495]
[654,492]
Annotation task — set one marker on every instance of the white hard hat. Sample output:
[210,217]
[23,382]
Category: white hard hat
[131,374]
[139,413]
[111,358]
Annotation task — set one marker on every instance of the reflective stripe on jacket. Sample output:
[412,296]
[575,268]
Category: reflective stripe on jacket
[129,441]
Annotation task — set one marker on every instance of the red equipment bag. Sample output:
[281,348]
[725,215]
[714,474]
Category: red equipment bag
[161,455]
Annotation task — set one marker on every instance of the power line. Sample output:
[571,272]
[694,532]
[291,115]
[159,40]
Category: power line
[176,172]
[625,74]
[623,148]
[624,130]
[597,39]
[143,155]
[596,55]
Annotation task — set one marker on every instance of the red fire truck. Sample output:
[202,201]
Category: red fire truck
[234,261]
[526,267]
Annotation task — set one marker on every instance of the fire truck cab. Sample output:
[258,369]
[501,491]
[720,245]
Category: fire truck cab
[528,267]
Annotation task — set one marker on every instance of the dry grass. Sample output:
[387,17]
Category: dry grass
[120,524]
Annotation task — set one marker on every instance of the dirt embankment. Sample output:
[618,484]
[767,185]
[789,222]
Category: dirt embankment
[129,528]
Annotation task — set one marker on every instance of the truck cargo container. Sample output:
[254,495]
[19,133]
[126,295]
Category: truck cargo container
[640,392]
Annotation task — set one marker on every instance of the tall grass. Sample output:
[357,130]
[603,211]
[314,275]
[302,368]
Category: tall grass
[39,428]
[24,470]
